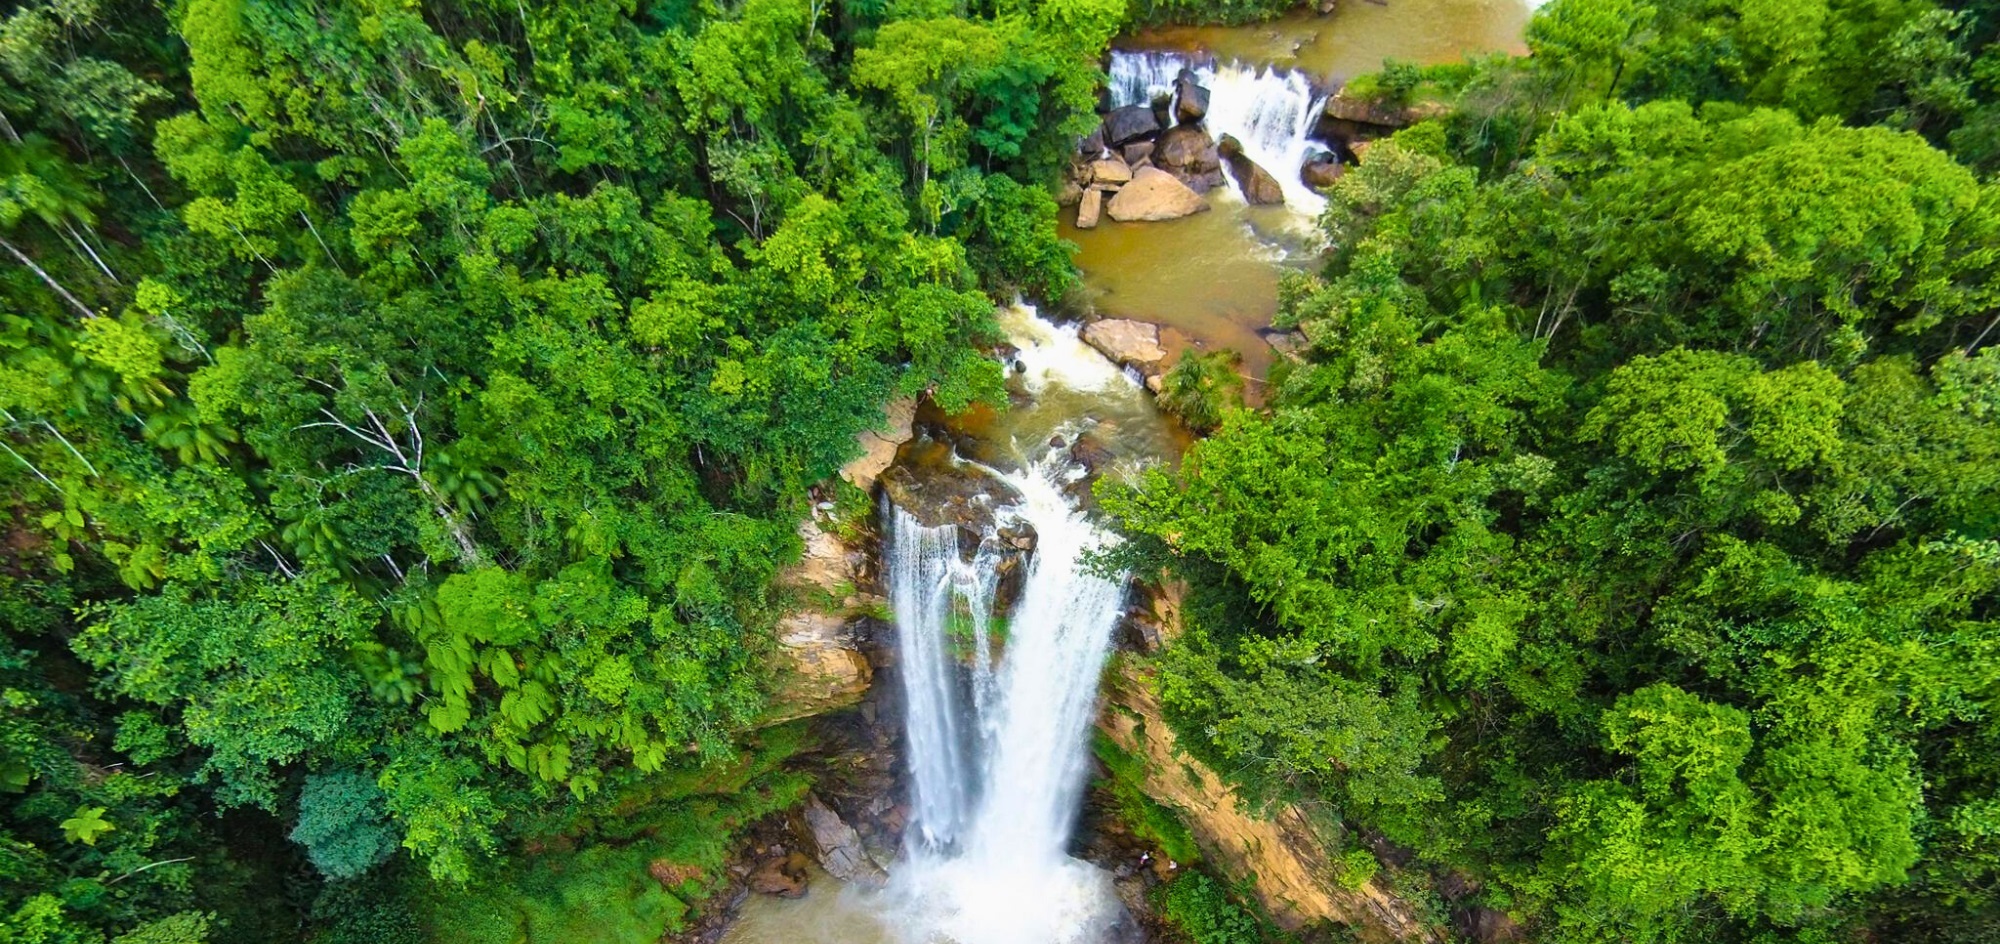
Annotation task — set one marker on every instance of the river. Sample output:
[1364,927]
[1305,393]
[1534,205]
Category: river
[996,722]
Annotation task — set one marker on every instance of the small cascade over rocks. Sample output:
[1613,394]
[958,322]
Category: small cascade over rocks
[1271,111]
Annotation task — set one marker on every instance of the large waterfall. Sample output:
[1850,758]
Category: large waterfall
[997,728]
[1270,110]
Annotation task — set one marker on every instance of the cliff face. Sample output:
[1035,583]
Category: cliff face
[820,665]
[1282,852]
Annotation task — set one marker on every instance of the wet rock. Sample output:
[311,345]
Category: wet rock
[878,446]
[1092,453]
[837,844]
[1128,124]
[1190,100]
[783,876]
[1110,170]
[1187,153]
[941,492]
[1090,209]
[1092,144]
[1327,7]
[1137,151]
[1126,342]
[1258,186]
[1143,636]
[1154,195]
[1321,170]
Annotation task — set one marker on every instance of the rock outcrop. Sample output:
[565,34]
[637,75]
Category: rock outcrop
[1125,125]
[878,446]
[822,668]
[1351,117]
[1154,195]
[836,844]
[1127,343]
[1257,184]
[1187,152]
[819,666]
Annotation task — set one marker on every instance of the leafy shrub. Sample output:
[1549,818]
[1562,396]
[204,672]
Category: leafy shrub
[1199,909]
[1354,869]
[342,824]
[1201,388]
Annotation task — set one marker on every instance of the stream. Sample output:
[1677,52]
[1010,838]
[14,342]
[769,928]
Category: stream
[997,708]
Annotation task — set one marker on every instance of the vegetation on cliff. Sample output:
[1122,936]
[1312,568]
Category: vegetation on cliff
[1627,537]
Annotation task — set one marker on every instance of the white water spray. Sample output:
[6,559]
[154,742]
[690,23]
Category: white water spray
[997,728]
[1270,110]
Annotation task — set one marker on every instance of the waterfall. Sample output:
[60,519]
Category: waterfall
[997,777]
[1271,110]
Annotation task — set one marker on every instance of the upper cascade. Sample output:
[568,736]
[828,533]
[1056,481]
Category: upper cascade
[1272,111]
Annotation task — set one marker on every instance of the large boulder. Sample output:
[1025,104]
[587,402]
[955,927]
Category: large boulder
[1257,184]
[1190,99]
[1137,151]
[1186,152]
[837,845]
[1128,124]
[1090,209]
[1128,343]
[878,446]
[1154,195]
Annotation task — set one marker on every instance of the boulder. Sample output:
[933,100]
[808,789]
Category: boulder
[1321,170]
[1154,195]
[1186,152]
[837,844]
[1128,343]
[1359,149]
[1128,124]
[878,446]
[1257,184]
[1137,151]
[1090,209]
[1110,170]
[1190,100]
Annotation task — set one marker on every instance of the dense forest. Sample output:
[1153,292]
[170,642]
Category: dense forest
[1627,539]
[406,407]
